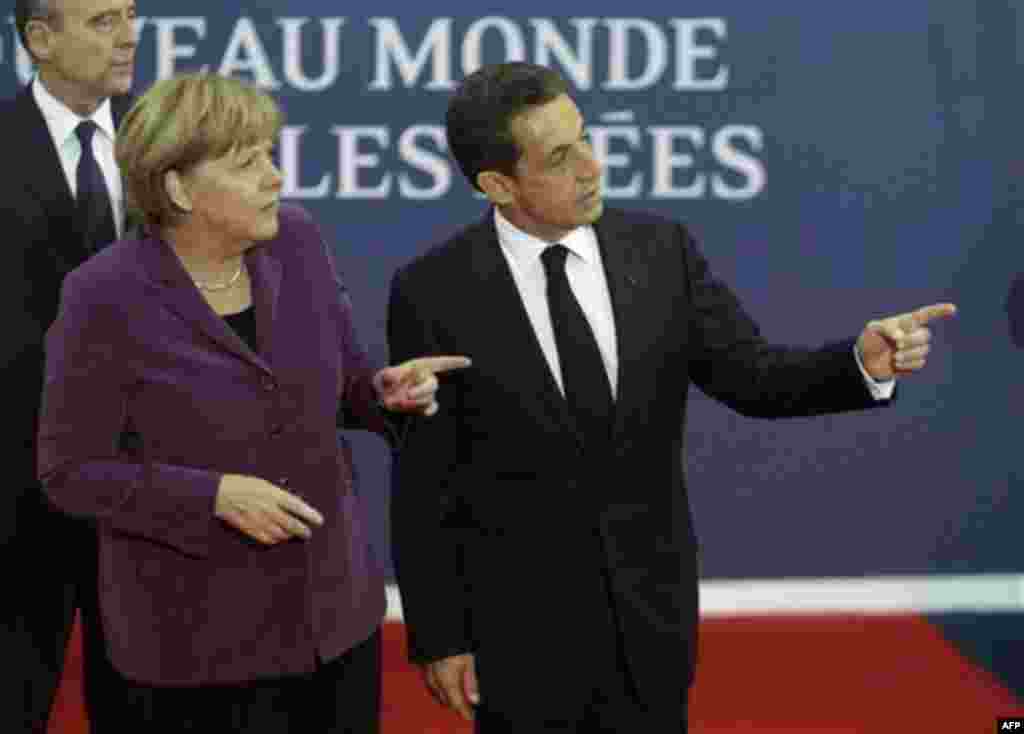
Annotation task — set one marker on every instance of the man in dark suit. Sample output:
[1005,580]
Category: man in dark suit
[62,200]
[542,534]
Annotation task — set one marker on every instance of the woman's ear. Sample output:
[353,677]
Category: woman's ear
[177,191]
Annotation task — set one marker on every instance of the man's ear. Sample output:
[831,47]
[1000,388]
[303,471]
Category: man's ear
[499,188]
[39,37]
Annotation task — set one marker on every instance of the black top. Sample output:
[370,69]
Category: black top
[244,324]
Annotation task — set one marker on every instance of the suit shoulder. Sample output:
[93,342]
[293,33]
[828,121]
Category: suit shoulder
[302,244]
[19,113]
[108,275]
[297,231]
[648,234]
[16,101]
[451,252]
[294,219]
[292,214]
[644,219]
[111,264]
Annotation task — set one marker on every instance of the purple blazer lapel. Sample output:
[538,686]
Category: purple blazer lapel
[180,294]
[265,273]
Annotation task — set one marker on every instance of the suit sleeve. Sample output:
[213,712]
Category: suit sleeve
[21,360]
[426,546]
[734,364]
[358,407]
[84,411]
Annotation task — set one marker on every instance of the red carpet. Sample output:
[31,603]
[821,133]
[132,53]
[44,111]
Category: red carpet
[771,675]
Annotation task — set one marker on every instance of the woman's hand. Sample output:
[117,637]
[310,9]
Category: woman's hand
[410,387]
[264,511]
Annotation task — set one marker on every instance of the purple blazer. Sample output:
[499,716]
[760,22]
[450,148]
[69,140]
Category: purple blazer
[186,598]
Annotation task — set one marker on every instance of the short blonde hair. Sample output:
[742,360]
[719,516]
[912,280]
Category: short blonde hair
[180,122]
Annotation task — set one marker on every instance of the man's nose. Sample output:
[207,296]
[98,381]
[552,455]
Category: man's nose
[589,165]
[129,35]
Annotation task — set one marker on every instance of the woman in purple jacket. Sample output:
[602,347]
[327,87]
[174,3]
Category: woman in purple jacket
[237,588]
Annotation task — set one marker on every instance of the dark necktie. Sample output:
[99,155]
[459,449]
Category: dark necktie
[587,390]
[93,211]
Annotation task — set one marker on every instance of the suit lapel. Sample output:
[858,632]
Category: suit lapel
[179,294]
[45,177]
[516,355]
[627,278]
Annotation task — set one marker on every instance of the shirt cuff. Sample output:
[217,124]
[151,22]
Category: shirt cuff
[879,389]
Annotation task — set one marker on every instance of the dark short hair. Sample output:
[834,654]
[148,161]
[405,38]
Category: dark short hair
[479,117]
[26,10]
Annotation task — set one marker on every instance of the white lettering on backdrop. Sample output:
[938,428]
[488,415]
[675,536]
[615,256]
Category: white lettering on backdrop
[651,59]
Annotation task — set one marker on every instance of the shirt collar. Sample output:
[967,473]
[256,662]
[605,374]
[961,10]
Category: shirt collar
[62,121]
[526,248]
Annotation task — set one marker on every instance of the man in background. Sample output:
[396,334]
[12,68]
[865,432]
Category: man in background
[60,201]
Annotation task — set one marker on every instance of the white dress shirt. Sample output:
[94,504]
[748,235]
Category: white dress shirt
[62,123]
[585,272]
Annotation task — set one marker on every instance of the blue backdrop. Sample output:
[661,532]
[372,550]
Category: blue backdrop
[838,162]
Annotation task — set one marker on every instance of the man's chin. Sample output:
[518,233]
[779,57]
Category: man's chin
[120,85]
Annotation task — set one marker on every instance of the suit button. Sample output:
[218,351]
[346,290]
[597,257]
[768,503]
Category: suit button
[276,430]
[269,384]
[282,482]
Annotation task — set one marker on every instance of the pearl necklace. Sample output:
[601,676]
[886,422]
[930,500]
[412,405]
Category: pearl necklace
[211,286]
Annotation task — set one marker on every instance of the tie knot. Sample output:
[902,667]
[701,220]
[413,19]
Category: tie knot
[85,131]
[554,257]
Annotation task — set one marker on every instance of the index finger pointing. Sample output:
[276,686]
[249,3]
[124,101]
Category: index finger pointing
[437,365]
[936,311]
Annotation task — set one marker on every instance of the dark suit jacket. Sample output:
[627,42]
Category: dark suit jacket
[187,599]
[50,557]
[43,243]
[502,518]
